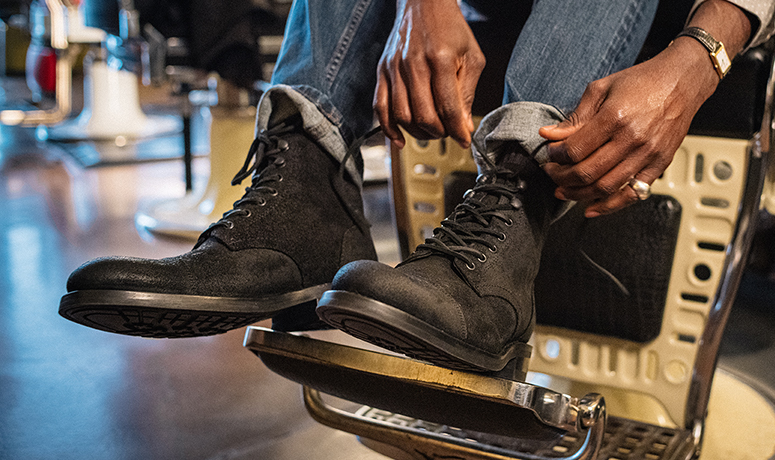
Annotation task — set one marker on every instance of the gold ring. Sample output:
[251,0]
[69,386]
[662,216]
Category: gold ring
[642,189]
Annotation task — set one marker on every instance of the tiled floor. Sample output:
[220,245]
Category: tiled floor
[69,392]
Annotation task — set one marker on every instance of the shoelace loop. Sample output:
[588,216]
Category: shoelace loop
[263,153]
[471,222]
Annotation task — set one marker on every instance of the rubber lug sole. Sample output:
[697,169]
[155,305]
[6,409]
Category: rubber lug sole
[159,315]
[395,330]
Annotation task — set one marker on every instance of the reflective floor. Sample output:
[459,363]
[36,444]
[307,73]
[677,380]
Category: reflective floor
[69,392]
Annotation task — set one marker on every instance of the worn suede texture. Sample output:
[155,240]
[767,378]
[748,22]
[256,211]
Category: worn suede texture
[491,304]
[292,232]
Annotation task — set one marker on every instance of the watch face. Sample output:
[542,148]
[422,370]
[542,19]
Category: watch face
[721,60]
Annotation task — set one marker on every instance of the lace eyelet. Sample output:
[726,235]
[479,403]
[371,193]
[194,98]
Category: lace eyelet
[494,249]
[279,178]
[229,224]
[482,258]
[502,237]
[273,192]
[248,213]
[509,222]
[279,162]
[261,201]
[282,145]
[470,266]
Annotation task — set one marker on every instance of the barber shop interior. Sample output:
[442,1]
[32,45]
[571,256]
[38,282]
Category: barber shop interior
[362,230]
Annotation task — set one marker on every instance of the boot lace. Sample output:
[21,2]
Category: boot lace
[263,161]
[495,194]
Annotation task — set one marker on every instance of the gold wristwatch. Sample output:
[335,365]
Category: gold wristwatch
[718,54]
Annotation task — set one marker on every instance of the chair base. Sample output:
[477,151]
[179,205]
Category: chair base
[751,436]
[405,438]
[231,132]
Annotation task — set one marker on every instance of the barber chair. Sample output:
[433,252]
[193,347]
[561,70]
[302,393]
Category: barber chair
[57,25]
[631,309]
[112,110]
[232,129]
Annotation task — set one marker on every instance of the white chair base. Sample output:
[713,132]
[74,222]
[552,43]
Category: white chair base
[231,132]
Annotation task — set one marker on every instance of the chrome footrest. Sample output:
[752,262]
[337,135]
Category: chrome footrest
[402,437]
[470,401]
[388,432]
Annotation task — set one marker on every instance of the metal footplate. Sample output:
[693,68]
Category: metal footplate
[402,437]
[475,404]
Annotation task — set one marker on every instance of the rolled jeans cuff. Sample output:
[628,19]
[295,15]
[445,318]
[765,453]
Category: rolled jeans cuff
[516,125]
[281,102]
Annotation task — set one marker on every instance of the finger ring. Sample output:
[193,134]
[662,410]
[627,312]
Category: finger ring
[642,189]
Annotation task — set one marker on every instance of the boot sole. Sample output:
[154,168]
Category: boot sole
[159,315]
[393,329]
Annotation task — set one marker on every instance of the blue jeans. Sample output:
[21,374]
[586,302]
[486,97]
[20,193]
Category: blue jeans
[326,70]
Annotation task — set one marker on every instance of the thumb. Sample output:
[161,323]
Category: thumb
[561,130]
[588,106]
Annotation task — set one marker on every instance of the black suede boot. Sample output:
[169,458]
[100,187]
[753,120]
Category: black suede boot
[464,299]
[272,256]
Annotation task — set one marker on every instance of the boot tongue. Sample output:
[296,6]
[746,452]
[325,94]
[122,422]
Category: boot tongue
[514,161]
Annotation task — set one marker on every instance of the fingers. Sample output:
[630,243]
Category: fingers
[601,174]
[382,110]
[403,98]
[623,198]
[426,82]
[602,180]
[429,103]
[454,86]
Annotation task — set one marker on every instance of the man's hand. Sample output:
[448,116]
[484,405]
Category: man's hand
[428,73]
[629,124]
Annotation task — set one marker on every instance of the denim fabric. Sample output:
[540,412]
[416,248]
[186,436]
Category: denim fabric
[566,44]
[515,122]
[332,47]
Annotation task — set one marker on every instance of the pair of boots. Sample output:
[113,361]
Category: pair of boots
[463,300]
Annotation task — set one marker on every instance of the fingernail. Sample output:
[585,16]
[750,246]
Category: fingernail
[591,214]
[550,126]
[560,196]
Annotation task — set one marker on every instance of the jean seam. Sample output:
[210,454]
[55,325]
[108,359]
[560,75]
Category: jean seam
[610,60]
[343,45]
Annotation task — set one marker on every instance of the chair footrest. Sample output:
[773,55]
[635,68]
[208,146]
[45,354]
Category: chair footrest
[385,431]
[472,401]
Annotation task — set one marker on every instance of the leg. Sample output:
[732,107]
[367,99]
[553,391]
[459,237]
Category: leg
[562,48]
[464,299]
[276,252]
[326,71]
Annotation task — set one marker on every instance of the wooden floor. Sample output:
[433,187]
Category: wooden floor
[69,392]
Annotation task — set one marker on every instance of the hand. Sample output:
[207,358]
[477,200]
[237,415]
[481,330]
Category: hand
[428,72]
[627,125]
[630,124]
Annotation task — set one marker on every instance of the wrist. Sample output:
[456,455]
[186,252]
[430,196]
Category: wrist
[690,57]
[726,22]
[716,51]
